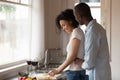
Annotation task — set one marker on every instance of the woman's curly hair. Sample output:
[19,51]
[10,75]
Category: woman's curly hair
[67,15]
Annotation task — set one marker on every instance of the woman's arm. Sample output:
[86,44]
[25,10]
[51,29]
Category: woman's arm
[69,59]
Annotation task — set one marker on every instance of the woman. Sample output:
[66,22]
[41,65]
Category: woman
[75,48]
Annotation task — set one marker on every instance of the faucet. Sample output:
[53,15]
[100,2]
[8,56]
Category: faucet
[46,59]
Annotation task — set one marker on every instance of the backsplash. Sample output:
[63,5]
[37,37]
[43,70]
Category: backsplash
[54,56]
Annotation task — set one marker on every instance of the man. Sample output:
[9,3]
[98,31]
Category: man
[96,59]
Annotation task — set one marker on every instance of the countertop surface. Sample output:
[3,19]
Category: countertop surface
[61,76]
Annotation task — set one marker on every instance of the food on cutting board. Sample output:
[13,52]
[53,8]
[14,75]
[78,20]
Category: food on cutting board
[44,76]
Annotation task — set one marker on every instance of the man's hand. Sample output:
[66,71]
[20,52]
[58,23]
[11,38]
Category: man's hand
[79,62]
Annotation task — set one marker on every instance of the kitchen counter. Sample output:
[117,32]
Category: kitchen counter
[61,76]
[44,76]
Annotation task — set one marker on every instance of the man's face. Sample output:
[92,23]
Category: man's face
[78,18]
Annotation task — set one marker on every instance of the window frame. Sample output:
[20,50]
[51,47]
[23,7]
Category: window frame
[106,20]
[18,3]
[13,68]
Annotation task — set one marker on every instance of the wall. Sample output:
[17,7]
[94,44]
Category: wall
[53,38]
[115,39]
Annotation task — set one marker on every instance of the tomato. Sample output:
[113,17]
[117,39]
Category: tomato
[22,78]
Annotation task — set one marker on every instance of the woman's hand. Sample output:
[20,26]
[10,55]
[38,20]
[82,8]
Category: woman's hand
[53,72]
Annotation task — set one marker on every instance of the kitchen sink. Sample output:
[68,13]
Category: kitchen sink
[43,69]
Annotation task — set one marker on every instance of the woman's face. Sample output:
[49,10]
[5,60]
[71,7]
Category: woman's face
[66,26]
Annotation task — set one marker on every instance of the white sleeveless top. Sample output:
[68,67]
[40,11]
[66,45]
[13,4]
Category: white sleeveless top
[76,33]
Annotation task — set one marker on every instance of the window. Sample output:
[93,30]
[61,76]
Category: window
[18,39]
[15,30]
